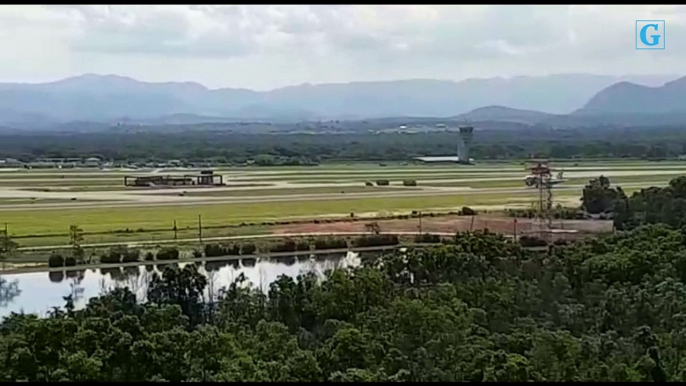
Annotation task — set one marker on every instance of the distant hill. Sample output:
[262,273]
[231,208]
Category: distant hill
[505,114]
[112,99]
[631,98]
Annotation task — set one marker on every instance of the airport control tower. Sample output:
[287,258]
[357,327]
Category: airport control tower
[466,134]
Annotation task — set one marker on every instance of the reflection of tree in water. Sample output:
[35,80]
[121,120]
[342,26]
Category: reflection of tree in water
[137,283]
[287,260]
[249,262]
[131,272]
[8,291]
[215,265]
[115,273]
[56,276]
[80,273]
[161,266]
[76,290]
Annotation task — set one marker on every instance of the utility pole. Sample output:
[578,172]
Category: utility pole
[514,231]
[200,228]
[420,222]
[175,231]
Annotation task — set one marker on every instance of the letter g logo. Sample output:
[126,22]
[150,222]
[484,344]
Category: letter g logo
[650,34]
[656,38]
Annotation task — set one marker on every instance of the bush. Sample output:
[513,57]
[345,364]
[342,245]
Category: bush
[410,183]
[168,253]
[376,240]
[382,183]
[120,254]
[302,245]
[531,241]
[427,238]
[56,260]
[70,261]
[149,256]
[213,250]
[197,253]
[330,243]
[131,255]
[248,249]
[467,211]
[368,183]
[286,246]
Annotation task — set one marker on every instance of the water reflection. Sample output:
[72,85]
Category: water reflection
[9,290]
[56,276]
[39,295]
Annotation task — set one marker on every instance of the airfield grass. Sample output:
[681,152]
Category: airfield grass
[22,200]
[35,222]
[648,181]
[292,191]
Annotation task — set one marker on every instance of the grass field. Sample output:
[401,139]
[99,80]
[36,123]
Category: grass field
[157,221]
[292,191]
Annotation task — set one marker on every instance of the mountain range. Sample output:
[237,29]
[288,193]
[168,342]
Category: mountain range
[546,99]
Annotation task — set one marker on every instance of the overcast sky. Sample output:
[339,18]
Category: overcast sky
[264,47]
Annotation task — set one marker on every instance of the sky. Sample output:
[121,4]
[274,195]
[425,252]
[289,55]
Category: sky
[263,47]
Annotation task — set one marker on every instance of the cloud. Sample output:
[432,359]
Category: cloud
[280,44]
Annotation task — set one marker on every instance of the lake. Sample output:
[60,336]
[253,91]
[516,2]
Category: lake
[39,292]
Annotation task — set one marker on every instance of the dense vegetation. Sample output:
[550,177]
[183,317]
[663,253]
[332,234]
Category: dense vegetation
[299,148]
[477,309]
[652,205]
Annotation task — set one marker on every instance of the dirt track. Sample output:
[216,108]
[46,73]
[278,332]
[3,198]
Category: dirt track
[451,224]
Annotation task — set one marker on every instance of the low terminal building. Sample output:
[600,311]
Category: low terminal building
[157,181]
[205,178]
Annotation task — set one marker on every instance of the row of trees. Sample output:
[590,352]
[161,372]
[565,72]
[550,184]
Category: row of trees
[653,205]
[478,309]
[306,149]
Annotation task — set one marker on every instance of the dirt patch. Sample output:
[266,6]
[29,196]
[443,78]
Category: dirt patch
[451,224]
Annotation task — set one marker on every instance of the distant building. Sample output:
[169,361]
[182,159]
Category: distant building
[205,178]
[157,181]
[92,162]
[10,163]
[463,147]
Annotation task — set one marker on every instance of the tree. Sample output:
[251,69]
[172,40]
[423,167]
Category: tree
[75,239]
[598,196]
[7,246]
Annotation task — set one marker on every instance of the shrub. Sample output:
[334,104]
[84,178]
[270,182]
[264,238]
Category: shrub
[382,183]
[131,255]
[376,240]
[149,256]
[197,253]
[168,253]
[286,246]
[427,238]
[248,249]
[302,245]
[330,243]
[213,250]
[55,260]
[410,183]
[120,254]
[234,250]
[70,261]
[368,183]
[531,241]
[467,211]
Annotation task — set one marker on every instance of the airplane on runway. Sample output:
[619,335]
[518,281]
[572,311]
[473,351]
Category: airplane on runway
[533,180]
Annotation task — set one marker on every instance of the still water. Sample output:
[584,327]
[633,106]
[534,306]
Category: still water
[39,292]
